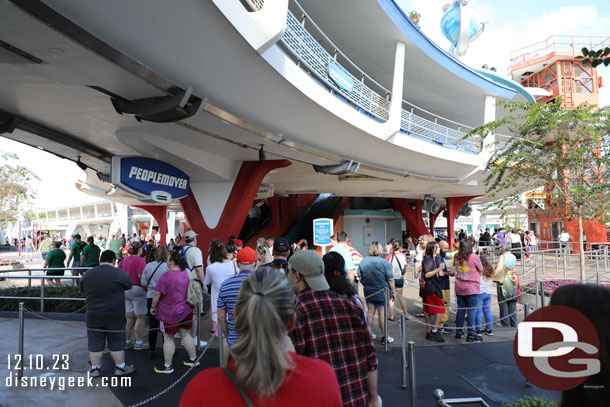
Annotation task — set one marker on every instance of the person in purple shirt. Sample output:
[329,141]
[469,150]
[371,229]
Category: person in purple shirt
[169,306]
[499,237]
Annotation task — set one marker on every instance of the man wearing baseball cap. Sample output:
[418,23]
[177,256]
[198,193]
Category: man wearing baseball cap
[333,328]
[281,250]
[227,295]
[194,263]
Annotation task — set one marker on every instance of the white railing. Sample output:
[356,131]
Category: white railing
[314,51]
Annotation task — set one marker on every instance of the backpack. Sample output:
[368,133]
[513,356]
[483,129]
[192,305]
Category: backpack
[194,293]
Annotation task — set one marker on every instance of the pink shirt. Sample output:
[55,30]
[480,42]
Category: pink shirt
[172,307]
[134,267]
[468,277]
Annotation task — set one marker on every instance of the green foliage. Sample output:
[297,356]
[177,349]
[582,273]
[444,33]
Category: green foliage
[595,58]
[16,190]
[49,305]
[567,150]
[533,402]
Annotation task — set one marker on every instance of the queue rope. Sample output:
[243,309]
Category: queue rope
[468,326]
[171,386]
[41,316]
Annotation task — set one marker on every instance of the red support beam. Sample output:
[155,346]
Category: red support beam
[159,212]
[244,191]
[454,204]
[433,218]
[413,217]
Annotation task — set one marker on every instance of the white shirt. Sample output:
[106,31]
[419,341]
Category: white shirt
[215,274]
[564,237]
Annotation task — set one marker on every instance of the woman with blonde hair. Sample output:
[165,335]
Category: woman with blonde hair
[376,274]
[265,370]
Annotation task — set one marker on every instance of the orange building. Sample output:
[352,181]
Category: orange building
[552,65]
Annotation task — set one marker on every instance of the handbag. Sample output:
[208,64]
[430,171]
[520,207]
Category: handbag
[510,288]
[194,293]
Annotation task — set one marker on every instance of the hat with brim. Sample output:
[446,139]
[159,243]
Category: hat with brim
[311,267]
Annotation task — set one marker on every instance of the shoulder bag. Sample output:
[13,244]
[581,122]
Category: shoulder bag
[240,389]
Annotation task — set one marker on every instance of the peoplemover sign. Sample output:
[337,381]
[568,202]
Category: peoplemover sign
[340,76]
[149,179]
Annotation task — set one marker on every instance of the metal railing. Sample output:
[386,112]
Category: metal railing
[313,51]
[443,402]
[569,44]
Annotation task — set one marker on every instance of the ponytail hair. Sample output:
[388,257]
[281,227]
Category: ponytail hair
[265,304]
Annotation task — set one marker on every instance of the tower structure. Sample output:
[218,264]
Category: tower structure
[553,65]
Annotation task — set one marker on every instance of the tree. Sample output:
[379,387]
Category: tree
[595,58]
[567,151]
[16,190]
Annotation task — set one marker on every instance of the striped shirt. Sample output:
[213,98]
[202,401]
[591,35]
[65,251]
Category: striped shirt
[356,257]
[227,298]
[334,328]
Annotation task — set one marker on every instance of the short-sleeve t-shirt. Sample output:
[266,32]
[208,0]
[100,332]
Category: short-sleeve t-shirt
[216,274]
[312,382]
[45,245]
[114,246]
[151,275]
[105,287]
[347,256]
[468,277]
[90,256]
[375,272]
[398,262]
[133,266]
[56,258]
[172,307]
[443,280]
[76,248]
[227,298]
[193,255]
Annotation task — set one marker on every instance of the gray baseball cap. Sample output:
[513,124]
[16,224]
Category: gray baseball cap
[309,265]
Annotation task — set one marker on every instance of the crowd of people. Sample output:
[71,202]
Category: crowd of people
[282,310]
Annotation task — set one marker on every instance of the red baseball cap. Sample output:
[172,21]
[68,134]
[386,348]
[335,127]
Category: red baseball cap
[238,242]
[246,256]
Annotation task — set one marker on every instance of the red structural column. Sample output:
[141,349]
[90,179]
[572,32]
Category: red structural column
[159,212]
[244,191]
[413,217]
[274,203]
[433,217]
[454,204]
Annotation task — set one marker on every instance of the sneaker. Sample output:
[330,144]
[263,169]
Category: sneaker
[390,340]
[201,343]
[501,325]
[474,338]
[489,332]
[123,371]
[373,336]
[444,330]
[164,369]
[189,362]
[436,337]
[141,346]
[129,344]
[428,335]
[459,334]
[95,372]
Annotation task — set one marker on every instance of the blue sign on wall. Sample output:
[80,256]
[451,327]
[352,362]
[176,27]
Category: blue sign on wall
[340,76]
[149,178]
[322,230]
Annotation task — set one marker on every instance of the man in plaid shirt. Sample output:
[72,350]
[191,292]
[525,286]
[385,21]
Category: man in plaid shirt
[333,328]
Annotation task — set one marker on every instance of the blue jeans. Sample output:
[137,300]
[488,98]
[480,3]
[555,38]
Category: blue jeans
[483,307]
[466,303]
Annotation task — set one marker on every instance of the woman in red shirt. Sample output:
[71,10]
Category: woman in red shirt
[265,365]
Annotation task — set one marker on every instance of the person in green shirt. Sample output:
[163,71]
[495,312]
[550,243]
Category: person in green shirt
[90,256]
[54,263]
[75,250]
[115,246]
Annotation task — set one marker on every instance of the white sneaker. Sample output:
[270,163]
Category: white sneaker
[201,343]
[373,336]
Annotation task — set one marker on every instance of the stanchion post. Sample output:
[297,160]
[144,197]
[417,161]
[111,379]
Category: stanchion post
[21,337]
[597,277]
[411,347]
[565,257]
[42,294]
[542,294]
[537,285]
[30,279]
[386,298]
[403,349]
[526,310]
[198,339]
[221,348]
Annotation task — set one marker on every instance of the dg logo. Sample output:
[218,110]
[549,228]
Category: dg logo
[556,348]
